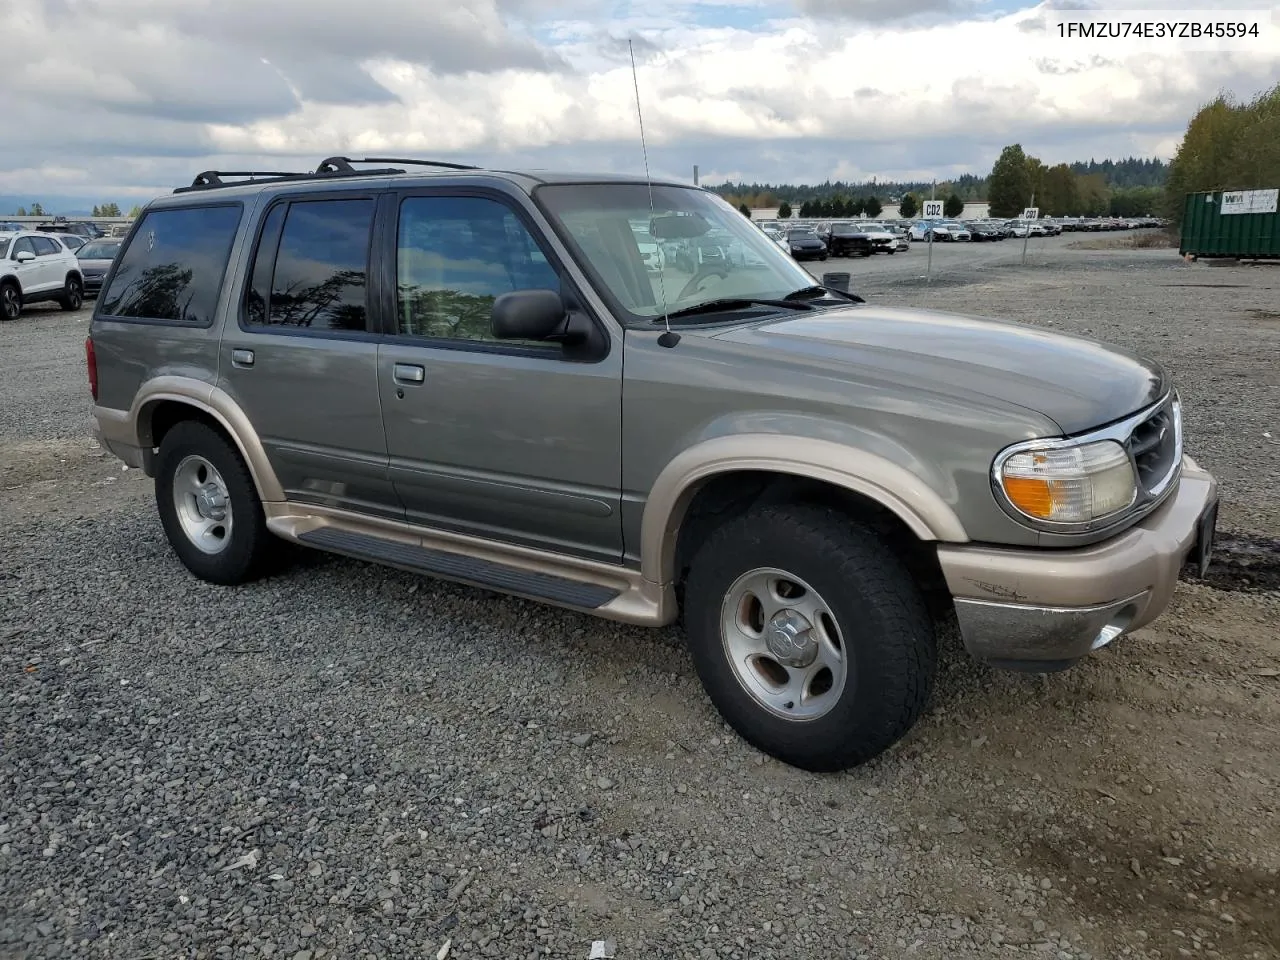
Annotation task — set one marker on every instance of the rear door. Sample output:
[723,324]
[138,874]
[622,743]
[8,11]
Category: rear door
[53,264]
[301,355]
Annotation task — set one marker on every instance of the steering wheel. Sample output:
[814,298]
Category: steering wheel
[704,272]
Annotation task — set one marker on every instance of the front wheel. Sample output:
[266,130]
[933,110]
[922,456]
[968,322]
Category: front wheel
[209,506]
[809,636]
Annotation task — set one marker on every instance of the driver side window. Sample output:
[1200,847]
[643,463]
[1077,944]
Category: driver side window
[454,257]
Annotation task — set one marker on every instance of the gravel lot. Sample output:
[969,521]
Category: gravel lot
[346,761]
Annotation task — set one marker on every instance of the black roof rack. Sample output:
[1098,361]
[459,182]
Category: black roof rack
[208,179]
[417,163]
[329,167]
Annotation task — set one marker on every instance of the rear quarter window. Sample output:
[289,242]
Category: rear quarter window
[173,267]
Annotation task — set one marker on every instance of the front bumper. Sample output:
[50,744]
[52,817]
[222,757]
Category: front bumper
[1044,609]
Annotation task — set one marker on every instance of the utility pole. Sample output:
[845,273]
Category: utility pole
[1027,236]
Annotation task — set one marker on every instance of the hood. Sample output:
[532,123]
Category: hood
[1076,382]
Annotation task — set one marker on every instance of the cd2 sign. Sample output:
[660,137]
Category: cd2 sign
[932,209]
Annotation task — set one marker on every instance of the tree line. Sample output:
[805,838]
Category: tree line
[1227,146]
[1119,176]
[1018,181]
[103,210]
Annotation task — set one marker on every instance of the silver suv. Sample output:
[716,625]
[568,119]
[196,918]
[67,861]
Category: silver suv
[474,374]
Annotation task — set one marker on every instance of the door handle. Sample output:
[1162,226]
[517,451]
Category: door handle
[409,373]
[242,358]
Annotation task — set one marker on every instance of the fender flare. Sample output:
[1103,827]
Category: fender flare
[892,486]
[218,404]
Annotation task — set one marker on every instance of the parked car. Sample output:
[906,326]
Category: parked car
[919,229]
[1023,228]
[954,230]
[983,231]
[882,238]
[804,244]
[35,267]
[71,241]
[901,234]
[96,258]
[83,228]
[844,239]
[810,484]
[778,237]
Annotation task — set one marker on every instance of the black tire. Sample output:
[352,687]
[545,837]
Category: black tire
[10,301]
[886,633]
[72,294]
[249,545]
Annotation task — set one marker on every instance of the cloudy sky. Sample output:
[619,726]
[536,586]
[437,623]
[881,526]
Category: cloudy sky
[123,99]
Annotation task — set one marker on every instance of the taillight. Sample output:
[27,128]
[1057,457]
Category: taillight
[91,362]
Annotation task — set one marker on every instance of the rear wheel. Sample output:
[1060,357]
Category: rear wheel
[10,301]
[809,636]
[209,506]
[72,294]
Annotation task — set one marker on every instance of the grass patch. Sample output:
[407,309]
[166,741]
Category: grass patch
[1144,240]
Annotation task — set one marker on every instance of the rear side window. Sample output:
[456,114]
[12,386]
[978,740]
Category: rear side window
[45,246]
[311,267]
[173,267]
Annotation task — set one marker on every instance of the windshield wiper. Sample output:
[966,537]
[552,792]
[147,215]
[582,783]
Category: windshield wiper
[814,292]
[733,303]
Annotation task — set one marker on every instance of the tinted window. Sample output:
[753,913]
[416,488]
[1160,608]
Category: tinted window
[4,249]
[174,265]
[455,256]
[318,281]
[45,246]
[23,245]
[264,261]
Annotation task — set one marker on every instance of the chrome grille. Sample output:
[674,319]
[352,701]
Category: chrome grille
[1155,445]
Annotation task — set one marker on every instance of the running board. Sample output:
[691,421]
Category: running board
[452,566]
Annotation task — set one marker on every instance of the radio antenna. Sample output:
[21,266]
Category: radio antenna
[668,339]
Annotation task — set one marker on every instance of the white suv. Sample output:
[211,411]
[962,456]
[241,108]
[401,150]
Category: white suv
[35,267]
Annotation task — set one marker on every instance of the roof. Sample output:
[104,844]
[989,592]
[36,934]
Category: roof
[342,169]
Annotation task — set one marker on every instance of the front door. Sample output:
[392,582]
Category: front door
[508,440]
[33,275]
[302,360]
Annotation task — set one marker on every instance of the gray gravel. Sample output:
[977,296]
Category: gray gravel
[346,761]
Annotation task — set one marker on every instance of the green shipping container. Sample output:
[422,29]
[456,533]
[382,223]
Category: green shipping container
[1240,224]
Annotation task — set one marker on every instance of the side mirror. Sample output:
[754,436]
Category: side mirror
[527,315]
[24,256]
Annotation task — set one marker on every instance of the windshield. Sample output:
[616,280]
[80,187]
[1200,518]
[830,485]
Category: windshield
[99,250]
[728,257]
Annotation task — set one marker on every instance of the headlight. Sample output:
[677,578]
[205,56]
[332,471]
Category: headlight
[1068,484]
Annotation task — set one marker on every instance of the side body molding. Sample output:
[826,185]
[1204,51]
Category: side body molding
[210,400]
[920,507]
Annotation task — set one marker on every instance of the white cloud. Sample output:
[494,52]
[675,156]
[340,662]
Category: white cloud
[145,93]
